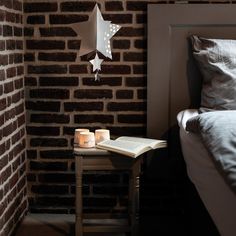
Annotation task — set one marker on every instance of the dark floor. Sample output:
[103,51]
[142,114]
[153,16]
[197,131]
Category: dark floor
[63,225]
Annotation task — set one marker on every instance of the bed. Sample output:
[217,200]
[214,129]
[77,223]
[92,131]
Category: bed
[174,86]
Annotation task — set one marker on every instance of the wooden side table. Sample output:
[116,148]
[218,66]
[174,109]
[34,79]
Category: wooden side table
[102,160]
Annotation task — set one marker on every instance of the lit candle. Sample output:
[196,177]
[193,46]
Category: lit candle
[77,134]
[102,135]
[87,140]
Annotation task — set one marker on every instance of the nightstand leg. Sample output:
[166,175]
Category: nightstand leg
[134,198]
[79,197]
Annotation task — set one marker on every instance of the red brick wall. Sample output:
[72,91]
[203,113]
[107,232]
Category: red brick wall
[13,200]
[61,95]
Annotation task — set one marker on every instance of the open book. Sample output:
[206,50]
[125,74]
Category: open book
[131,146]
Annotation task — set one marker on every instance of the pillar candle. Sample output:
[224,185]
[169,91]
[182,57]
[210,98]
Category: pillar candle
[101,135]
[87,140]
[77,134]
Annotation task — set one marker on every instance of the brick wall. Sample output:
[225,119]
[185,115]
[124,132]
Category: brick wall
[61,95]
[13,200]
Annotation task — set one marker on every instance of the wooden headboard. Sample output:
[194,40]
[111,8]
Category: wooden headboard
[174,81]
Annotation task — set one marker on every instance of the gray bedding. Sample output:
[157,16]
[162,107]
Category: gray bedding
[218,132]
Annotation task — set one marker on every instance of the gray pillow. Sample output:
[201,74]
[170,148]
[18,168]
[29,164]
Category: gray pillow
[217,62]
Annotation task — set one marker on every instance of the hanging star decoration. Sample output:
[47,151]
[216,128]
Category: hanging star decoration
[96,62]
[95,36]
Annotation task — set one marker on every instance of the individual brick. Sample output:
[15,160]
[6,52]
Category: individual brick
[43,106]
[10,17]
[124,94]
[78,69]
[18,58]
[140,69]
[110,81]
[50,118]
[40,7]
[81,6]
[74,44]
[50,189]
[141,18]
[121,44]
[3,161]
[67,19]
[4,60]
[142,94]
[29,57]
[140,43]
[7,30]
[31,154]
[93,118]
[21,122]
[28,31]
[56,178]
[48,142]
[50,93]
[3,104]
[30,81]
[66,201]
[45,44]
[18,31]
[10,44]
[135,56]
[93,93]
[2,45]
[57,154]
[43,130]
[52,166]
[130,32]
[132,118]
[136,5]
[136,81]
[57,31]
[18,83]
[116,69]
[17,5]
[83,106]
[36,19]
[2,15]
[16,97]
[8,87]
[119,18]
[47,69]
[59,81]
[57,56]
[114,6]
[126,106]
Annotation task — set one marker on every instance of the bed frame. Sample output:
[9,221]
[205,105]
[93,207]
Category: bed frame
[174,82]
[173,79]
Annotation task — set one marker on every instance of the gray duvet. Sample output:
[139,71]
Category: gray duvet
[218,132]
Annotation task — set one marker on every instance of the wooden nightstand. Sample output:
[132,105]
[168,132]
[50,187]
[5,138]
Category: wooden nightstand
[102,160]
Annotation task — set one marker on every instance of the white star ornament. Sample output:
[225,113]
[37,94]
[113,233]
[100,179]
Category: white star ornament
[96,34]
[96,62]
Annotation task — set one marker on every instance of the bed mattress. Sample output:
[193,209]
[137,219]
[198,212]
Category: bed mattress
[217,197]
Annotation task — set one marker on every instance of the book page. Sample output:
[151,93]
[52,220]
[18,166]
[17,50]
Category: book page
[124,147]
[153,143]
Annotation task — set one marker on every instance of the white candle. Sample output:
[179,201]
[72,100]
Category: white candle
[77,134]
[101,135]
[87,140]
